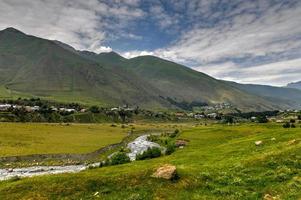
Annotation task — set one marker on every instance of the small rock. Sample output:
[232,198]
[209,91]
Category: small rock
[181,147]
[166,172]
[10,170]
[273,139]
[180,143]
[257,143]
[96,193]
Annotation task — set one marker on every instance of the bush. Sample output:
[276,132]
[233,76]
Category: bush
[170,148]
[286,125]
[119,158]
[149,153]
[262,119]
[94,109]
[174,134]
[292,120]
[293,126]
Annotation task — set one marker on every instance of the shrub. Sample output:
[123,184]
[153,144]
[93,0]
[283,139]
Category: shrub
[119,158]
[149,153]
[262,119]
[170,148]
[286,125]
[292,120]
[293,126]
[174,134]
[94,109]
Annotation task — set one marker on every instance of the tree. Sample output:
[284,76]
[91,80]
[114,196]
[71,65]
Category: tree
[119,158]
[149,153]
[94,109]
[262,119]
[286,125]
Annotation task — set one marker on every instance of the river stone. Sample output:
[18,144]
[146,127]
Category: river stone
[167,172]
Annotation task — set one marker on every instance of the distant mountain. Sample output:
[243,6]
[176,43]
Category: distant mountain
[32,66]
[296,85]
[287,97]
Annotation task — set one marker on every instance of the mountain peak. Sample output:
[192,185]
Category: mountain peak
[12,30]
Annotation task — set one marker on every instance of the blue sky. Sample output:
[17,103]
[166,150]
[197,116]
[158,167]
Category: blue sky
[248,41]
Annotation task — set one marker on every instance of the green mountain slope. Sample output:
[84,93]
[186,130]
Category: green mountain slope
[185,84]
[41,67]
[288,97]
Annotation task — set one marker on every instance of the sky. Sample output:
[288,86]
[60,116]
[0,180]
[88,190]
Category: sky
[247,41]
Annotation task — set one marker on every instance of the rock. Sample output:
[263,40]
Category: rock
[273,139]
[96,193]
[180,143]
[258,143]
[167,172]
[10,170]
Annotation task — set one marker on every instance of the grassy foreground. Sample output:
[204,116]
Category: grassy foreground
[220,162]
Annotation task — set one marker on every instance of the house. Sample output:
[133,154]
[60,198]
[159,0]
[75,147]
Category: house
[4,107]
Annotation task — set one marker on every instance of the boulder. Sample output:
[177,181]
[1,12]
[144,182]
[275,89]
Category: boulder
[167,172]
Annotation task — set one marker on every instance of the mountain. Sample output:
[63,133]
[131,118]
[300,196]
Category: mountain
[39,67]
[296,85]
[32,66]
[286,97]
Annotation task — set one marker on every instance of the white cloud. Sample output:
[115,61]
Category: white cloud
[132,54]
[81,24]
[277,73]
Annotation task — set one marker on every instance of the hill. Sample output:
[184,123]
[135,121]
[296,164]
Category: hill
[289,97]
[185,84]
[35,66]
[296,85]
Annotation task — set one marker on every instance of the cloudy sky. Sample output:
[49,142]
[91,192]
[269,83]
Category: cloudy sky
[248,41]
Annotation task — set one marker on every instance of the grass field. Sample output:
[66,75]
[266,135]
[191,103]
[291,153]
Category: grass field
[220,162]
[38,138]
[27,138]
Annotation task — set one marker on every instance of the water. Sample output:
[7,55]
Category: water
[138,146]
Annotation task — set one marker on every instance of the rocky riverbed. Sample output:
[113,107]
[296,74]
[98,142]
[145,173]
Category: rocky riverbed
[138,146]
[6,174]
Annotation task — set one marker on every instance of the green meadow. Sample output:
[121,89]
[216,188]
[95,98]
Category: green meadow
[219,162]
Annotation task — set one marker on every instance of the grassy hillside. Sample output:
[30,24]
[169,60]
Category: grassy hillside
[43,68]
[185,84]
[220,162]
[288,97]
